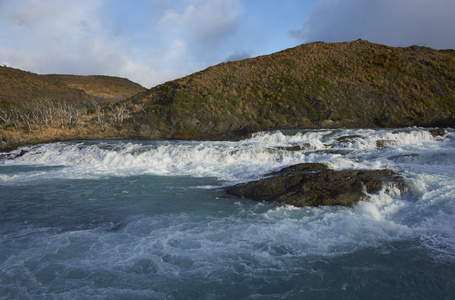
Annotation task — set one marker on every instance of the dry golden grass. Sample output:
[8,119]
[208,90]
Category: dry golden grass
[313,85]
[351,84]
[23,87]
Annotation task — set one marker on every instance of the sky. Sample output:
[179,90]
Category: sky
[154,41]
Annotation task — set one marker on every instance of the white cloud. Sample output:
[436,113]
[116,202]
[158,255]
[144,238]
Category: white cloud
[199,33]
[392,22]
[96,60]
[86,37]
[66,37]
[211,22]
[54,21]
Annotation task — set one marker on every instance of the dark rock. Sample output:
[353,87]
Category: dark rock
[4,156]
[241,132]
[385,143]
[305,146]
[326,187]
[22,153]
[292,148]
[348,138]
[10,155]
[303,167]
[437,132]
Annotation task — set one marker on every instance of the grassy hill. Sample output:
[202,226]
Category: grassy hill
[36,108]
[111,88]
[351,84]
[316,85]
[23,87]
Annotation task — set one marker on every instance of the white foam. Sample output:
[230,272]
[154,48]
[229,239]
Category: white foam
[240,161]
[225,239]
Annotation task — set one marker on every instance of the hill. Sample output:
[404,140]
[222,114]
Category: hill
[315,85]
[37,108]
[23,87]
[109,87]
[350,84]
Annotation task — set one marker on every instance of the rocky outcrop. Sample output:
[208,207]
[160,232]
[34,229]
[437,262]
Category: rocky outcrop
[304,167]
[385,143]
[437,132]
[315,185]
[302,147]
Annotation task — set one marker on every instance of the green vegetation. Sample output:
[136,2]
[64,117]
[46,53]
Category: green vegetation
[352,84]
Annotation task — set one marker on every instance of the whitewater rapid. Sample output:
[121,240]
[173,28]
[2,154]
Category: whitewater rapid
[412,149]
[151,219]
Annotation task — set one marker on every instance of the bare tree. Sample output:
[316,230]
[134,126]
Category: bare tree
[26,117]
[10,116]
[118,111]
[80,112]
[5,116]
[44,112]
[97,105]
[70,115]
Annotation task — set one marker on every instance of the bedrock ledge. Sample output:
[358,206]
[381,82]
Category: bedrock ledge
[313,184]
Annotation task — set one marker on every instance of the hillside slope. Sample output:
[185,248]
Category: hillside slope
[351,84]
[109,87]
[23,87]
[38,108]
[316,85]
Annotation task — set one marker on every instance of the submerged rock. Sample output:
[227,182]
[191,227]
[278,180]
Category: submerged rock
[385,143]
[324,187]
[348,138]
[305,146]
[437,132]
[11,156]
[22,153]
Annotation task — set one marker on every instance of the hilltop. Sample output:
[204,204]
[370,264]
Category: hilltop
[315,85]
[23,87]
[109,87]
[38,108]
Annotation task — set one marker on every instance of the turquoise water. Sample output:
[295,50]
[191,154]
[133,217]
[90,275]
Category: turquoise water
[150,220]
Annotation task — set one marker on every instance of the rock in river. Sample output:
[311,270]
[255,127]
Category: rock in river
[316,185]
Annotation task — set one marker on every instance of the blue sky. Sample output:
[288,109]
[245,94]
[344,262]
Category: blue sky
[153,41]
